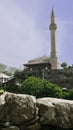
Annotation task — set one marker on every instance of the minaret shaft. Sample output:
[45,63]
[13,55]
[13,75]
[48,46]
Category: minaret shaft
[53,45]
[53,27]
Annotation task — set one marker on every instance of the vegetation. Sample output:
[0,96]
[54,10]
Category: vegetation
[19,76]
[13,89]
[60,77]
[64,65]
[70,95]
[40,88]
[49,86]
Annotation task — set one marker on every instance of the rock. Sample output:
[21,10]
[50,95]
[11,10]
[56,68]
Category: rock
[17,108]
[56,112]
[35,126]
[11,128]
[24,112]
[2,108]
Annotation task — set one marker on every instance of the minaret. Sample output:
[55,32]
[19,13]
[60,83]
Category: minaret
[53,27]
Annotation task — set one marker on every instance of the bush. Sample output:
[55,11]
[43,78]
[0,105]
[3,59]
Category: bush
[70,94]
[64,65]
[13,89]
[40,88]
[65,95]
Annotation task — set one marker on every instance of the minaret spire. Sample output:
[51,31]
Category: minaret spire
[52,13]
[53,27]
[52,16]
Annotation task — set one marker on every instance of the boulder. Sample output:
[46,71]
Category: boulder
[17,108]
[25,112]
[56,112]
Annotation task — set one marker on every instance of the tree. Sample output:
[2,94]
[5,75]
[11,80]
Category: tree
[64,65]
[40,88]
[19,76]
[66,95]
[31,86]
[70,94]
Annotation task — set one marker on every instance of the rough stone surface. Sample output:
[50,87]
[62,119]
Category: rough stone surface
[17,108]
[25,112]
[11,128]
[56,112]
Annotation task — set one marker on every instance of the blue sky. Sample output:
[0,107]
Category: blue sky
[24,30]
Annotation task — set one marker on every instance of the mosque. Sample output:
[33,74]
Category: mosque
[45,62]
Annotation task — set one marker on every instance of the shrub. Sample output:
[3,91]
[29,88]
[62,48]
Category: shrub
[66,95]
[64,65]
[70,94]
[40,88]
[13,89]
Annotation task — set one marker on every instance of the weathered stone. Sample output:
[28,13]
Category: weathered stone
[56,112]
[11,128]
[24,112]
[2,109]
[35,126]
[6,124]
[18,108]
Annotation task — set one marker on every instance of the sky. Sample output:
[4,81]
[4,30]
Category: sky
[25,34]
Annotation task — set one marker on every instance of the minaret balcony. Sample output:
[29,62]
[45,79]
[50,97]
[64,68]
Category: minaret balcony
[53,26]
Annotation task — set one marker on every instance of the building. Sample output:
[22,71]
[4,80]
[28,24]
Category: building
[46,62]
[4,78]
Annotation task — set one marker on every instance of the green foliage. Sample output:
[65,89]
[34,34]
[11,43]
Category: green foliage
[19,75]
[13,89]
[66,95]
[40,88]
[60,77]
[70,94]
[32,86]
[64,65]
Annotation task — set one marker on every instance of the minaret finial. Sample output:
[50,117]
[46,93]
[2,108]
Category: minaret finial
[52,16]
[52,13]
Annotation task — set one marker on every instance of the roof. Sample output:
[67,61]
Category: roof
[39,60]
[2,75]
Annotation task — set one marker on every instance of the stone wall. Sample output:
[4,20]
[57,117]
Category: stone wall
[25,112]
